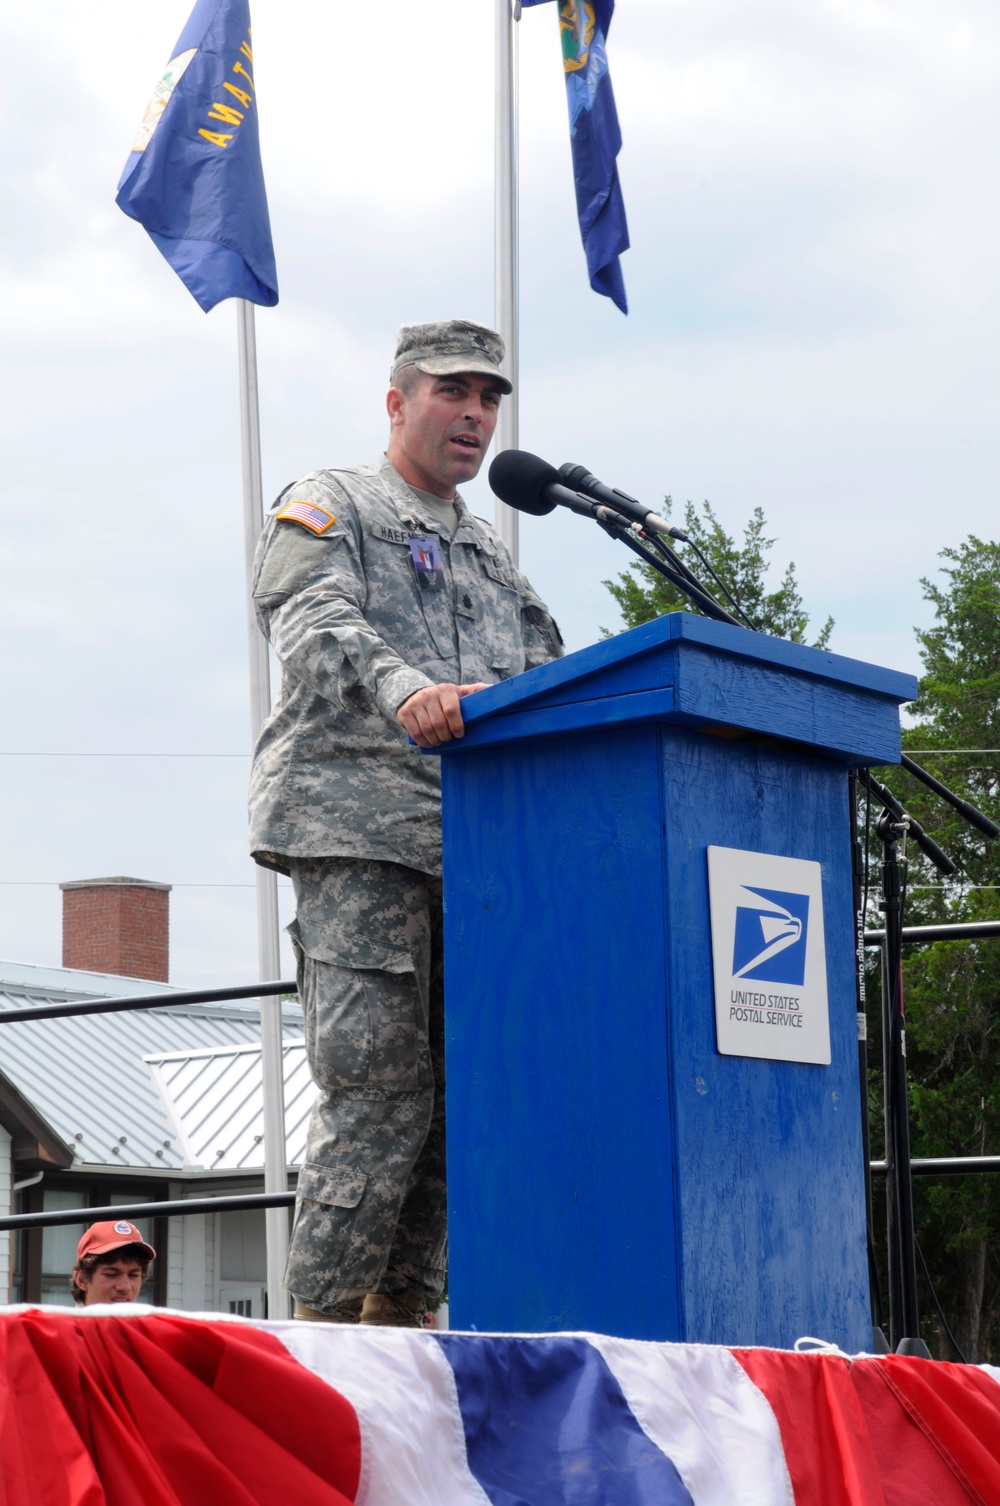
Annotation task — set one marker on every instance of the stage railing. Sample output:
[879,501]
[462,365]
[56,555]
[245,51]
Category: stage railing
[971,930]
[168,1207]
[171,1208]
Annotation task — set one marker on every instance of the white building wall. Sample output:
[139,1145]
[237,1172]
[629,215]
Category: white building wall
[210,1261]
[241,1262]
[197,1286]
[191,1274]
[176,1245]
[6,1174]
[216,1258]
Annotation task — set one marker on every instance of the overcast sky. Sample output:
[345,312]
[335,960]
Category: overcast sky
[814,287]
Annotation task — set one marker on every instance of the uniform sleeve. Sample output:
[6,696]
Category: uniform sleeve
[309,594]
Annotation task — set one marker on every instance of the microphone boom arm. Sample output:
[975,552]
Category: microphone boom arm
[618,528]
[971,814]
[676,563]
[942,862]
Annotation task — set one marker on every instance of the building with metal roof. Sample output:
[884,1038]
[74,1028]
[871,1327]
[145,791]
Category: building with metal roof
[134,1107]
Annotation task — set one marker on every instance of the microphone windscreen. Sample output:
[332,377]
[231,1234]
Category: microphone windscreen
[520,478]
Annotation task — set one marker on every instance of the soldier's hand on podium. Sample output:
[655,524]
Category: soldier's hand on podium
[433,715]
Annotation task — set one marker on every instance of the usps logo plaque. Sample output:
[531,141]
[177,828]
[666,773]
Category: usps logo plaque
[768,956]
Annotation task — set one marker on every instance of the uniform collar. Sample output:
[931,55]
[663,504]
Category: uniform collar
[412,511]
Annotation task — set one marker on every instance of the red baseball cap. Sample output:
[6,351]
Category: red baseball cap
[100,1238]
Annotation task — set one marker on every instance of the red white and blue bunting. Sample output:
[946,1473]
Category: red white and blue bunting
[104,1408]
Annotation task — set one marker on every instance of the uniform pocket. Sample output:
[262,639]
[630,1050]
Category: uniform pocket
[365,929]
[438,617]
[338,1025]
[364,1029]
[361,931]
[504,645]
[416,623]
[400,1056]
[505,654]
[330,1247]
[335,1186]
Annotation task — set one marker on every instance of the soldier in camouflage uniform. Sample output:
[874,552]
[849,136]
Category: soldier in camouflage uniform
[387,602]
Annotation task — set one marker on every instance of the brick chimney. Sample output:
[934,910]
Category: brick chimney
[117,925]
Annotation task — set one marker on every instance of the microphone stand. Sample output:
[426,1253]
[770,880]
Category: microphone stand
[677,573]
[893,828]
[678,564]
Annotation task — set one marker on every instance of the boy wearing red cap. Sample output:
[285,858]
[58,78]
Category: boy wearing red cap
[112,1260]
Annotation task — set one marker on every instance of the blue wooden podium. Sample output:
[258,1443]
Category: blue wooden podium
[609,1166]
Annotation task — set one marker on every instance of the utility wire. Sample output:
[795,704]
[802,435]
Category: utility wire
[946,752]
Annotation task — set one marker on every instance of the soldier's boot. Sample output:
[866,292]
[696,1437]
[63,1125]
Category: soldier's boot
[348,1311]
[401,1310]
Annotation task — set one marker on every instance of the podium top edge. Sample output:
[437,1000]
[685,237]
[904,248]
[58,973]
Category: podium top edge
[684,627]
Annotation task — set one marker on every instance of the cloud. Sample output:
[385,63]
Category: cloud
[814,288]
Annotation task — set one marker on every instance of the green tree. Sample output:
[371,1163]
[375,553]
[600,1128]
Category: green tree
[952,989]
[642,593]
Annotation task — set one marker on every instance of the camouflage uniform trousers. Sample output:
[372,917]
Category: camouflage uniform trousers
[370,1214]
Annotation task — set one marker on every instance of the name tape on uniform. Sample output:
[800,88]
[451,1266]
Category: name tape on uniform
[388,534]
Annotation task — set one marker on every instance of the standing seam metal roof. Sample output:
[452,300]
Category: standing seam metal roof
[220,1111]
[89,1076]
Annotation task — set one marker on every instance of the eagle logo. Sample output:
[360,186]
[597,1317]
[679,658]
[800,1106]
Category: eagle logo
[769,945]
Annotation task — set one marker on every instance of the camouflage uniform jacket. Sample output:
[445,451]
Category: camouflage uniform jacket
[334,774]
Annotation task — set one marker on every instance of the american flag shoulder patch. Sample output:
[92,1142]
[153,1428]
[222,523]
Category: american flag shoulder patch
[309,514]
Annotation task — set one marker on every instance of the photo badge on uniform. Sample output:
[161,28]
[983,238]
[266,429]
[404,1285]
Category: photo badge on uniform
[425,551]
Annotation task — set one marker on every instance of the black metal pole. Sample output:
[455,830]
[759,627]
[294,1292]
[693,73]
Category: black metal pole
[904,1315]
[874,1292]
[177,1208]
[964,930]
[173,1000]
[964,807]
[891,1213]
[946,1166]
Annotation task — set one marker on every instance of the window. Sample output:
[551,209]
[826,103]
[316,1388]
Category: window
[59,1248]
[42,1259]
[243,1301]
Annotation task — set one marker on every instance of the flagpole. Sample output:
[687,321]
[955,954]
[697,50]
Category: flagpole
[505,239]
[271,1045]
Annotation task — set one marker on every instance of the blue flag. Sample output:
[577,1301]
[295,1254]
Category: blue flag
[194,179]
[596,141]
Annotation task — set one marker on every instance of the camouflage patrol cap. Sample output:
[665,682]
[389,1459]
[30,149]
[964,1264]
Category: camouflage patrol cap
[450,347]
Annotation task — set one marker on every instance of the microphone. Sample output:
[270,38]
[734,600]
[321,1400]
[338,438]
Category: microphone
[530,484]
[581,480]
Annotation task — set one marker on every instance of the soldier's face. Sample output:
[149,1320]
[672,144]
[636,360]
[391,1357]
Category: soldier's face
[442,429]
